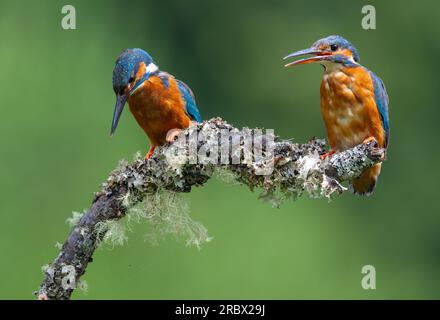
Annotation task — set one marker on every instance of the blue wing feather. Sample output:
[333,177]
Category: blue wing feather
[190,102]
[188,96]
[381,97]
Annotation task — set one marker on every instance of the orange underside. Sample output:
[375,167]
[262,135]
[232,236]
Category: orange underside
[158,109]
[365,184]
[350,114]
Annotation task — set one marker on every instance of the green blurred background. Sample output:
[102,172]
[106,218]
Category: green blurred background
[56,107]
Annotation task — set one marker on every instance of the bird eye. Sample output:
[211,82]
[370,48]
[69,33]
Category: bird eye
[131,79]
[333,47]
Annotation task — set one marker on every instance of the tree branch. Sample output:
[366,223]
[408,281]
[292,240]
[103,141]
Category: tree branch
[297,168]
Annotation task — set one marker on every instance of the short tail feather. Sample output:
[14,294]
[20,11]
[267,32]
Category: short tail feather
[365,184]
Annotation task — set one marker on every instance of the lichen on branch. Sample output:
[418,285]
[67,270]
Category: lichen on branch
[150,190]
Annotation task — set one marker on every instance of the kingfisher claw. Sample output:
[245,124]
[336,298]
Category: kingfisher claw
[379,154]
[327,154]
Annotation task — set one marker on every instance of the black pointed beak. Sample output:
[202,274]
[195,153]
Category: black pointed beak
[318,56]
[121,99]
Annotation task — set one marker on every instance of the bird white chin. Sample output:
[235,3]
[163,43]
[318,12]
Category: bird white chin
[331,66]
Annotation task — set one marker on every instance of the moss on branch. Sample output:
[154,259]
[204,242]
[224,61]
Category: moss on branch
[149,189]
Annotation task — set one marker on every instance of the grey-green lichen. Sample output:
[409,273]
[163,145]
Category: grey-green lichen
[151,191]
[83,286]
[74,219]
[44,268]
[225,175]
[166,212]
[65,276]
[111,232]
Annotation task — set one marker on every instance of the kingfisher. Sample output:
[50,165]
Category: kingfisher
[354,102]
[161,104]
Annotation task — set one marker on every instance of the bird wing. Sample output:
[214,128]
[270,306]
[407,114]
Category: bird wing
[190,102]
[381,97]
[164,77]
[188,96]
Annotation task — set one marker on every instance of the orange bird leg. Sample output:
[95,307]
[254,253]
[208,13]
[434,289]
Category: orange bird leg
[150,152]
[327,154]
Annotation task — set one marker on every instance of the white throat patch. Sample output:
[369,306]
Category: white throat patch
[151,68]
[333,66]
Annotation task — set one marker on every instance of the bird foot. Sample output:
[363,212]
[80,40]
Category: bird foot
[327,154]
[371,139]
[172,134]
[377,152]
[150,153]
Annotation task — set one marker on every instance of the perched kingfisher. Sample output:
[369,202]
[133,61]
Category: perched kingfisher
[354,102]
[161,104]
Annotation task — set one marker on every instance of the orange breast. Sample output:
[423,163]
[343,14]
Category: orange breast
[158,109]
[349,109]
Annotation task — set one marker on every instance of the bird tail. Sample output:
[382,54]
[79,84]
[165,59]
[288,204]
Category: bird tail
[365,184]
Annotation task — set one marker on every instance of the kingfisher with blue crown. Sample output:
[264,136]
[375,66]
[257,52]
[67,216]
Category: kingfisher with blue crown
[354,102]
[161,104]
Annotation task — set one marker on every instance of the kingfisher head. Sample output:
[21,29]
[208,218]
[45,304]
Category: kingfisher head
[328,51]
[132,68]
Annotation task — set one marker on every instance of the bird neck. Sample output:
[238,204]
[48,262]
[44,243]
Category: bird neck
[330,67]
[150,70]
[339,62]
